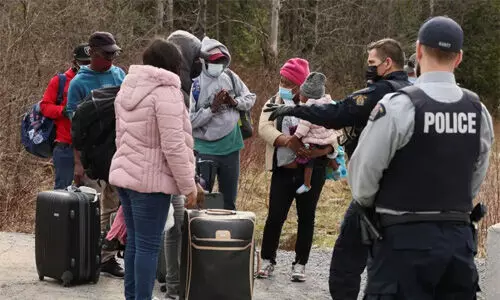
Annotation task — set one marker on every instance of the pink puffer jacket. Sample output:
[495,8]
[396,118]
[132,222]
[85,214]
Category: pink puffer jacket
[315,134]
[154,145]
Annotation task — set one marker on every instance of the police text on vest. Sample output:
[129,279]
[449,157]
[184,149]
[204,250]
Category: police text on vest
[450,122]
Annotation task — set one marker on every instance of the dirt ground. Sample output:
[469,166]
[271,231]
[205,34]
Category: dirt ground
[19,279]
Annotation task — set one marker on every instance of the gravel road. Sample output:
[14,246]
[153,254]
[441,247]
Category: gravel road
[19,280]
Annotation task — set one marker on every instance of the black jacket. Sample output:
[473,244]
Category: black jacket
[354,110]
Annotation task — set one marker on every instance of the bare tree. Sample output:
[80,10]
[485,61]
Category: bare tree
[170,15]
[229,16]
[316,25]
[203,12]
[160,13]
[275,11]
[217,27]
[431,7]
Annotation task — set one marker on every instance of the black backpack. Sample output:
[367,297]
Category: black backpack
[93,131]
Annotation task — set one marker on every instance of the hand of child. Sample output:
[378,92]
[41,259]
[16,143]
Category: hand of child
[332,163]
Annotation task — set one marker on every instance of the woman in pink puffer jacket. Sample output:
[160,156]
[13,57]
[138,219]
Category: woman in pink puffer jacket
[153,160]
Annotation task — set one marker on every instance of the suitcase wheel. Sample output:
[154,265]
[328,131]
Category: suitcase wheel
[163,288]
[66,278]
[40,277]
[95,278]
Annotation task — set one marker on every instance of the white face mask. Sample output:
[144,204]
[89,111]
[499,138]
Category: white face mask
[215,70]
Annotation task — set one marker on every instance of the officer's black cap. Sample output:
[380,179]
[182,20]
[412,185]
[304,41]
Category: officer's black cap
[442,33]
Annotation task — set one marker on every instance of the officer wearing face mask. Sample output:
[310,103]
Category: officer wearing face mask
[384,75]
[217,97]
[419,165]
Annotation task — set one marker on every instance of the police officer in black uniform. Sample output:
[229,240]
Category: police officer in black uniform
[420,162]
[384,75]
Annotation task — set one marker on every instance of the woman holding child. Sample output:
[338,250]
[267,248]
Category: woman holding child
[298,172]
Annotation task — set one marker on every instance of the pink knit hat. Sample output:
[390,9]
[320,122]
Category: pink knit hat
[295,70]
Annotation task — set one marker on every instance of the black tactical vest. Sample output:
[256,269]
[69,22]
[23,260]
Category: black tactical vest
[433,172]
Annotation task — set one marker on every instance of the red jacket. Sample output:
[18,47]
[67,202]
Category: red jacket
[49,108]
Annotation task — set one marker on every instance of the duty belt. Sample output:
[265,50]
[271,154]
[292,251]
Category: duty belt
[389,220]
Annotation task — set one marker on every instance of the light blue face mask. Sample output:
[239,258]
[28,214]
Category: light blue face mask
[412,79]
[285,94]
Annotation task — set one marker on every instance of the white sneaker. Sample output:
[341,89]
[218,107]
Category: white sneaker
[266,270]
[298,273]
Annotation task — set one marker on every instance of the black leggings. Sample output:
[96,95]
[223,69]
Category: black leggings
[284,183]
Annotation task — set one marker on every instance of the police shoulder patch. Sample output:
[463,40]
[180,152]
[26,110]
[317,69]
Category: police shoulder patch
[359,99]
[377,112]
[360,96]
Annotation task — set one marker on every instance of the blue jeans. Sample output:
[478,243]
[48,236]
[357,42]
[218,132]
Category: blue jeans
[145,216]
[64,165]
[228,173]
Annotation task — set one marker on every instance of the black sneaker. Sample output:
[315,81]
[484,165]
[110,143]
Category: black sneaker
[112,268]
[113,245]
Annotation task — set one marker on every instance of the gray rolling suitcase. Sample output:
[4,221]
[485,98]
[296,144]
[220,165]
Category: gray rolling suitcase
[217,260]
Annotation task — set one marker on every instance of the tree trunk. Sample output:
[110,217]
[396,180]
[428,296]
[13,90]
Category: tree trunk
[160,13]
[275,10]
[431,7]
[217,29]
[170,15]
[203,11]
[229,27]
[316,25]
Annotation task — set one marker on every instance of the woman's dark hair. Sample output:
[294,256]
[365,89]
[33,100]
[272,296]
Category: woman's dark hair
[163,54]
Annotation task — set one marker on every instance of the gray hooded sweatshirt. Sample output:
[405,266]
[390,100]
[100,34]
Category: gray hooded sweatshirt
[214,126]
[189,46]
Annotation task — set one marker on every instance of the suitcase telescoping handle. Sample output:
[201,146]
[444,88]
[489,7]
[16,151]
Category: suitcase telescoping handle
[221,212]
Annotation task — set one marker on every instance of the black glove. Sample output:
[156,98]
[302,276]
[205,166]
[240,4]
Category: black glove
[278,110]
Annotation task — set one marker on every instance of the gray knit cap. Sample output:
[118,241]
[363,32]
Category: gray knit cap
[314,86]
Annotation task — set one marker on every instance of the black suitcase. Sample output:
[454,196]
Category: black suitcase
[217,260]
[212,200]
[67,236]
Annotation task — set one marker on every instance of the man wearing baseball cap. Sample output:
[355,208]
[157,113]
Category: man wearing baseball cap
[420,163]
[101,73]
[54,109]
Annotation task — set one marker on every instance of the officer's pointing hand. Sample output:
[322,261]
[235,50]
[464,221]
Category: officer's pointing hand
[278,110]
